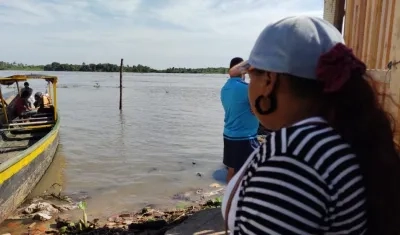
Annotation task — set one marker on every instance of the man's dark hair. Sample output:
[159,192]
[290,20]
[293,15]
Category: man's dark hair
[26,84]
[235,61]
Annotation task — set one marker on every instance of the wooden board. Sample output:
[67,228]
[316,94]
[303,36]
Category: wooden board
[12,144]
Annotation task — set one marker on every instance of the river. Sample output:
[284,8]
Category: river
[170,130]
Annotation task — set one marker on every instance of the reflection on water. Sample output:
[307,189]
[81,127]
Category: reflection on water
[170,129]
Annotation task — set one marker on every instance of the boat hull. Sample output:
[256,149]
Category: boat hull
[24,172]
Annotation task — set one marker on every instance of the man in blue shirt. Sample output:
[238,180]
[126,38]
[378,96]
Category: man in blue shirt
[240,129]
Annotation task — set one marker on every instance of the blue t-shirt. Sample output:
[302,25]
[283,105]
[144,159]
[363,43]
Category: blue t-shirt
[240,122]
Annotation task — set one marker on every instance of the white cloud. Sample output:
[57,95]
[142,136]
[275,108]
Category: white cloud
[157,33]
[38,13]
[126,7]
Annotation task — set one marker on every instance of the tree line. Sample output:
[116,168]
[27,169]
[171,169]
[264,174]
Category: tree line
[19,66]
[106,67]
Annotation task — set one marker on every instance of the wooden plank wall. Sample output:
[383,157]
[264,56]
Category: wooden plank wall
[368,29]
[395,71]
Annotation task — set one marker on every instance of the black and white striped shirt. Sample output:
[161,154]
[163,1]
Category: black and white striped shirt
[305,179]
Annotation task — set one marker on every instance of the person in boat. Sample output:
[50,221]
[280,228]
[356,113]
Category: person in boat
[240,124]
[37,98]
[29,100]
[22,109]
[42,100]
[43,103]
[331,165]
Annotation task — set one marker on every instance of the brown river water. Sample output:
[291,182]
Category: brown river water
[170,130]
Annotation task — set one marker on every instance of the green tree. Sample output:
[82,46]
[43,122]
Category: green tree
[107,67]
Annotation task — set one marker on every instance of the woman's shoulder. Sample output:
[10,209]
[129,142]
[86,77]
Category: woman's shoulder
[318,147]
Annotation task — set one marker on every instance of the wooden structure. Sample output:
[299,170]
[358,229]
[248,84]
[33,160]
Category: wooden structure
[334,12]
[368,28]
[372,28]
[27,146]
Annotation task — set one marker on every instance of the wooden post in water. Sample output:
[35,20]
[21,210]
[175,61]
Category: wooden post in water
[120,84]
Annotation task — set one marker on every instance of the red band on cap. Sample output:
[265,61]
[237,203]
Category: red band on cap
[336,67]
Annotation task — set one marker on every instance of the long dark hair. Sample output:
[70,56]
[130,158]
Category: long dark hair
[357,113]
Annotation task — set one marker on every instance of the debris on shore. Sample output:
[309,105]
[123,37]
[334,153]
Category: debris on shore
[145,221]
[48,214]
[42,208]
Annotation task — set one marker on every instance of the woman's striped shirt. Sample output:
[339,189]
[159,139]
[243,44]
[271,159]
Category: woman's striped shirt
[305,179]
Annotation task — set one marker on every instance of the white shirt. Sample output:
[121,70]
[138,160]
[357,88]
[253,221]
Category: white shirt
[228,191]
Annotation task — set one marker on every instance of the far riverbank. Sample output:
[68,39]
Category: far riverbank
[107,67]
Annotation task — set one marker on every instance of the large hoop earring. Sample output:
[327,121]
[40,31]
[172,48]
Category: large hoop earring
[272,104]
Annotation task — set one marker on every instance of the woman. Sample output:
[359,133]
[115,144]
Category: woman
[331,165]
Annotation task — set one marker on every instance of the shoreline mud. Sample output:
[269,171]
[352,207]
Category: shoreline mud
[147,221]
[57,214]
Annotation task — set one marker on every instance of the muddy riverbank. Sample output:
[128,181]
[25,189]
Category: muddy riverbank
[190,220]
[145,221]
[60,214]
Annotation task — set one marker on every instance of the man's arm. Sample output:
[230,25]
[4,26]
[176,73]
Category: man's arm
[29,103]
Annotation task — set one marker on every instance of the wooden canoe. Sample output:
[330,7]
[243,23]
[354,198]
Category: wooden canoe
[27,148]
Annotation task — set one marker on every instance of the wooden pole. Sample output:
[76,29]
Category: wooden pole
[4,107]
[339,14]
[120,84]
[334,12]
[394,86]
[18,91]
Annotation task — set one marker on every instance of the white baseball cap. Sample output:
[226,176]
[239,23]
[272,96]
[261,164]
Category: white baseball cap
[293,46]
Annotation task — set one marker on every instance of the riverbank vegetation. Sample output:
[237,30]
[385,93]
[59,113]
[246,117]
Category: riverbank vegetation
[20,66]
[107,67]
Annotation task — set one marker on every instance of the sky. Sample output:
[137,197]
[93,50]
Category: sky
[156,33]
